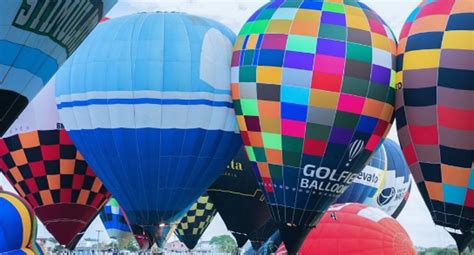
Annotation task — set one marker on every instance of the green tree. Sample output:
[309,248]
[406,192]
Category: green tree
[225,244]
[132,245]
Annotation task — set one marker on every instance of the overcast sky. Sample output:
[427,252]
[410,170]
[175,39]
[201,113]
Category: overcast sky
[233,13]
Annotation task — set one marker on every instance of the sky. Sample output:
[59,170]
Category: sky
[415,218]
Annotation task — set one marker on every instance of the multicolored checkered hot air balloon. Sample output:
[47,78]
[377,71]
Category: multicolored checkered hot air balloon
[435,110]
[18,226]
[44,166]
[385,183]
[36,37]
[196,221]
[116,223]
[156,124]
[313,84]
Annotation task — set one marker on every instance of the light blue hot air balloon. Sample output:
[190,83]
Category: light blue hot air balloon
[36,37]
[146,99]
[384,183]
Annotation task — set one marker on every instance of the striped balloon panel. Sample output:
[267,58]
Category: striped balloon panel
[435,107]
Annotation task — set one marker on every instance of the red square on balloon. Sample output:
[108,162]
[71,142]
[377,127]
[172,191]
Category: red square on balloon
[469,198]
[314,147]
[374,140]
[37,168]
[326,81]
[410,155]
[427,135]
[50,152]
[267,183]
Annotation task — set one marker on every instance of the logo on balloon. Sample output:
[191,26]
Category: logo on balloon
[355,150]
[386,196]
[326,179]
[50,18]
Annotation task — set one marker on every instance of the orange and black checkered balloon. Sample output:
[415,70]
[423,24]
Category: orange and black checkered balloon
[50,173]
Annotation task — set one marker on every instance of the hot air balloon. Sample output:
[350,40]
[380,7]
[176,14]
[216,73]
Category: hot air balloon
[314,91]
[261,235]
[41,162]
[384,183]
[39,249]
[435,110]
[144,240]
[156,124]
[196,221]
[239,200]
[36,37]
[116,223]
[357,229]
[272,244]
[118,228]
[17,225]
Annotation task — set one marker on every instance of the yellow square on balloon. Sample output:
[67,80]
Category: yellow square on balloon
[269,75]
[421,59]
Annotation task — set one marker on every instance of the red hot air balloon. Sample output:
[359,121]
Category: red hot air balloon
[43,165]
[356,229]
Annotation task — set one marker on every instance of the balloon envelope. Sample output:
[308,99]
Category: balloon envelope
[196,221]
[36,37]
[115,223]
[357,229]
[157,123]
[314,91]
[435,110]
[239,200]
[384,183]
[17,225]
[41,162]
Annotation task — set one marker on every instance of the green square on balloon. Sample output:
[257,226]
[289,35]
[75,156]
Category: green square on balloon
[259,154]
[359,52]
[248,57]
[249,107]
[355,86]
[378,92]
[292,4]
[237,107]
[266,14]
[317,131]
[301,43]
[247,74]
[346,120]
[291,158]
[245,29]
[393,77]
[333,7]
[258,27]
[332,32]
[293,144]
[250,153]
[271,141]
[276,171]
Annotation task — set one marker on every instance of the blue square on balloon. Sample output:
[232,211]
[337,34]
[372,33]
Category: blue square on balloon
[294,111]
[454,194]
[471,181]
[312,5]
[367,124]
[271,58]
